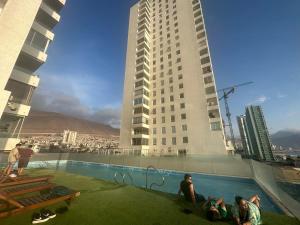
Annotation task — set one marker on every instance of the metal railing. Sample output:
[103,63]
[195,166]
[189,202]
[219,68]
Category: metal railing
[152,184]
[123,175]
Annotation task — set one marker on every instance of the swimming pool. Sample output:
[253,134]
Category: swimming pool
[208,185]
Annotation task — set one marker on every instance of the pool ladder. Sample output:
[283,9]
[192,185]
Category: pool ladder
[123,175]
[154,184]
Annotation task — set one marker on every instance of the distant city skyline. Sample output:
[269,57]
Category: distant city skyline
[258,42]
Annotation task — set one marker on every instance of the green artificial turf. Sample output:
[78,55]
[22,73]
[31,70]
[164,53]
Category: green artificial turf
[106,203]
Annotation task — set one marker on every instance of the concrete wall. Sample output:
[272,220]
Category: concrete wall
[265,175]
[227,166]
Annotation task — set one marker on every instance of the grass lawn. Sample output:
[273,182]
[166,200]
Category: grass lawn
[107,203]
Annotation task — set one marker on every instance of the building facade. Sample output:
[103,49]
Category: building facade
[170,104]
[241,120]
[69,137]
[26,32]
[258,137]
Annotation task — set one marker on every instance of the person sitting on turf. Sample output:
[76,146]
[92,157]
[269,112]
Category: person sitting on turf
[247,212]
[215,209]
[187,188]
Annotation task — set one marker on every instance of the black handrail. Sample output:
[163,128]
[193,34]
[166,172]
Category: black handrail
[123,175]
[159,185]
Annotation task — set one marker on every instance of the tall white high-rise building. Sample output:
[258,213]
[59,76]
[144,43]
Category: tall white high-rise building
[170,104]
[25,34]
[69,137]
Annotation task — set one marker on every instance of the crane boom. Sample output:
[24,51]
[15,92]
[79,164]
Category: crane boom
[226,92]
[235,86]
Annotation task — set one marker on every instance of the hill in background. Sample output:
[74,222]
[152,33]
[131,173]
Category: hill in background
[51,122]
[287,138]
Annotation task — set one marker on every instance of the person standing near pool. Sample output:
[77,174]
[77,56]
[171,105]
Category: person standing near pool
[25,155]
[12,159]
[188,190]
[247,212]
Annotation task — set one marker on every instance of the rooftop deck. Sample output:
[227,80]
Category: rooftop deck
[108,203]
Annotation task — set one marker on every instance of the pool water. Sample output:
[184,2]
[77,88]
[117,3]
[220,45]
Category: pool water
[207,185]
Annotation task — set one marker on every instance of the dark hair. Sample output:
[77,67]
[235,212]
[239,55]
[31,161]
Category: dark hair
[18,144]
[210,215]
[238,199]
[30,146]
[186,176]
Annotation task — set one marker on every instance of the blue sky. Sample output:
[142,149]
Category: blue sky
[253,40]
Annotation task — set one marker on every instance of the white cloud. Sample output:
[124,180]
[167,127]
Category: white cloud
[70,105]
[77,96]
[259,100]
[280,95]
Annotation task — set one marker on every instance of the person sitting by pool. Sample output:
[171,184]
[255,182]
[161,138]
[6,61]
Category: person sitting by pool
[247,212]
[215,209]
[188,190]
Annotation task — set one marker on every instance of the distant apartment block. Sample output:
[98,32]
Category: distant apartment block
[257,141]
[241,120]
[170,103]
[26,32]
[69,137]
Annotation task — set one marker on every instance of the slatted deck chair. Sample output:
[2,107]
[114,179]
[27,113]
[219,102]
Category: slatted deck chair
[9,181]
[18,201]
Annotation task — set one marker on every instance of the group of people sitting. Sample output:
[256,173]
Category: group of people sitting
[243,212]
[20,155]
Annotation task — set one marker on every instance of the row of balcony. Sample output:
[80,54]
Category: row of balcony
[141,103]
[209,84]
[140,122]
[22,81]
[33,53]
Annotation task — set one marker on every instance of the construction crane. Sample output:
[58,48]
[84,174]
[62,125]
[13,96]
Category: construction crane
[226,92]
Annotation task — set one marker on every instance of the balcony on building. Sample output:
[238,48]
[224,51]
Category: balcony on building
[10,125]
[16,109]
[57,5]
[212,103]
[33,53]
[20,97]
[47,16]
[23,76]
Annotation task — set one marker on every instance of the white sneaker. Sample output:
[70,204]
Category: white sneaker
[39,218]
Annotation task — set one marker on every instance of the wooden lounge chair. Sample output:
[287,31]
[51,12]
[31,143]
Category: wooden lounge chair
[14,201]
[21,189]
[23,180]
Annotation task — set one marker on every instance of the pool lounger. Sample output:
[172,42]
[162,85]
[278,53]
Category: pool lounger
[6,181]
[14,203]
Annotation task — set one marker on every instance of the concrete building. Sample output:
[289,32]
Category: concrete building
[241,120]
[69,137]
[257,134]
[25,28]
[170,104]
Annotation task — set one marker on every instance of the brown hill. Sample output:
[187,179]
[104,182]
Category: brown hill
[51,122]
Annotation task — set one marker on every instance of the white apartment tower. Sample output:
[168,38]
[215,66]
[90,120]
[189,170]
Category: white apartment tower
[170,104]
[69,137]
[25,33]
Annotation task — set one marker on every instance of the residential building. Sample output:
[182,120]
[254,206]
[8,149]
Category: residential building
[257,134]
[241,120]
[69,137]
[170,103]
[26,32]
